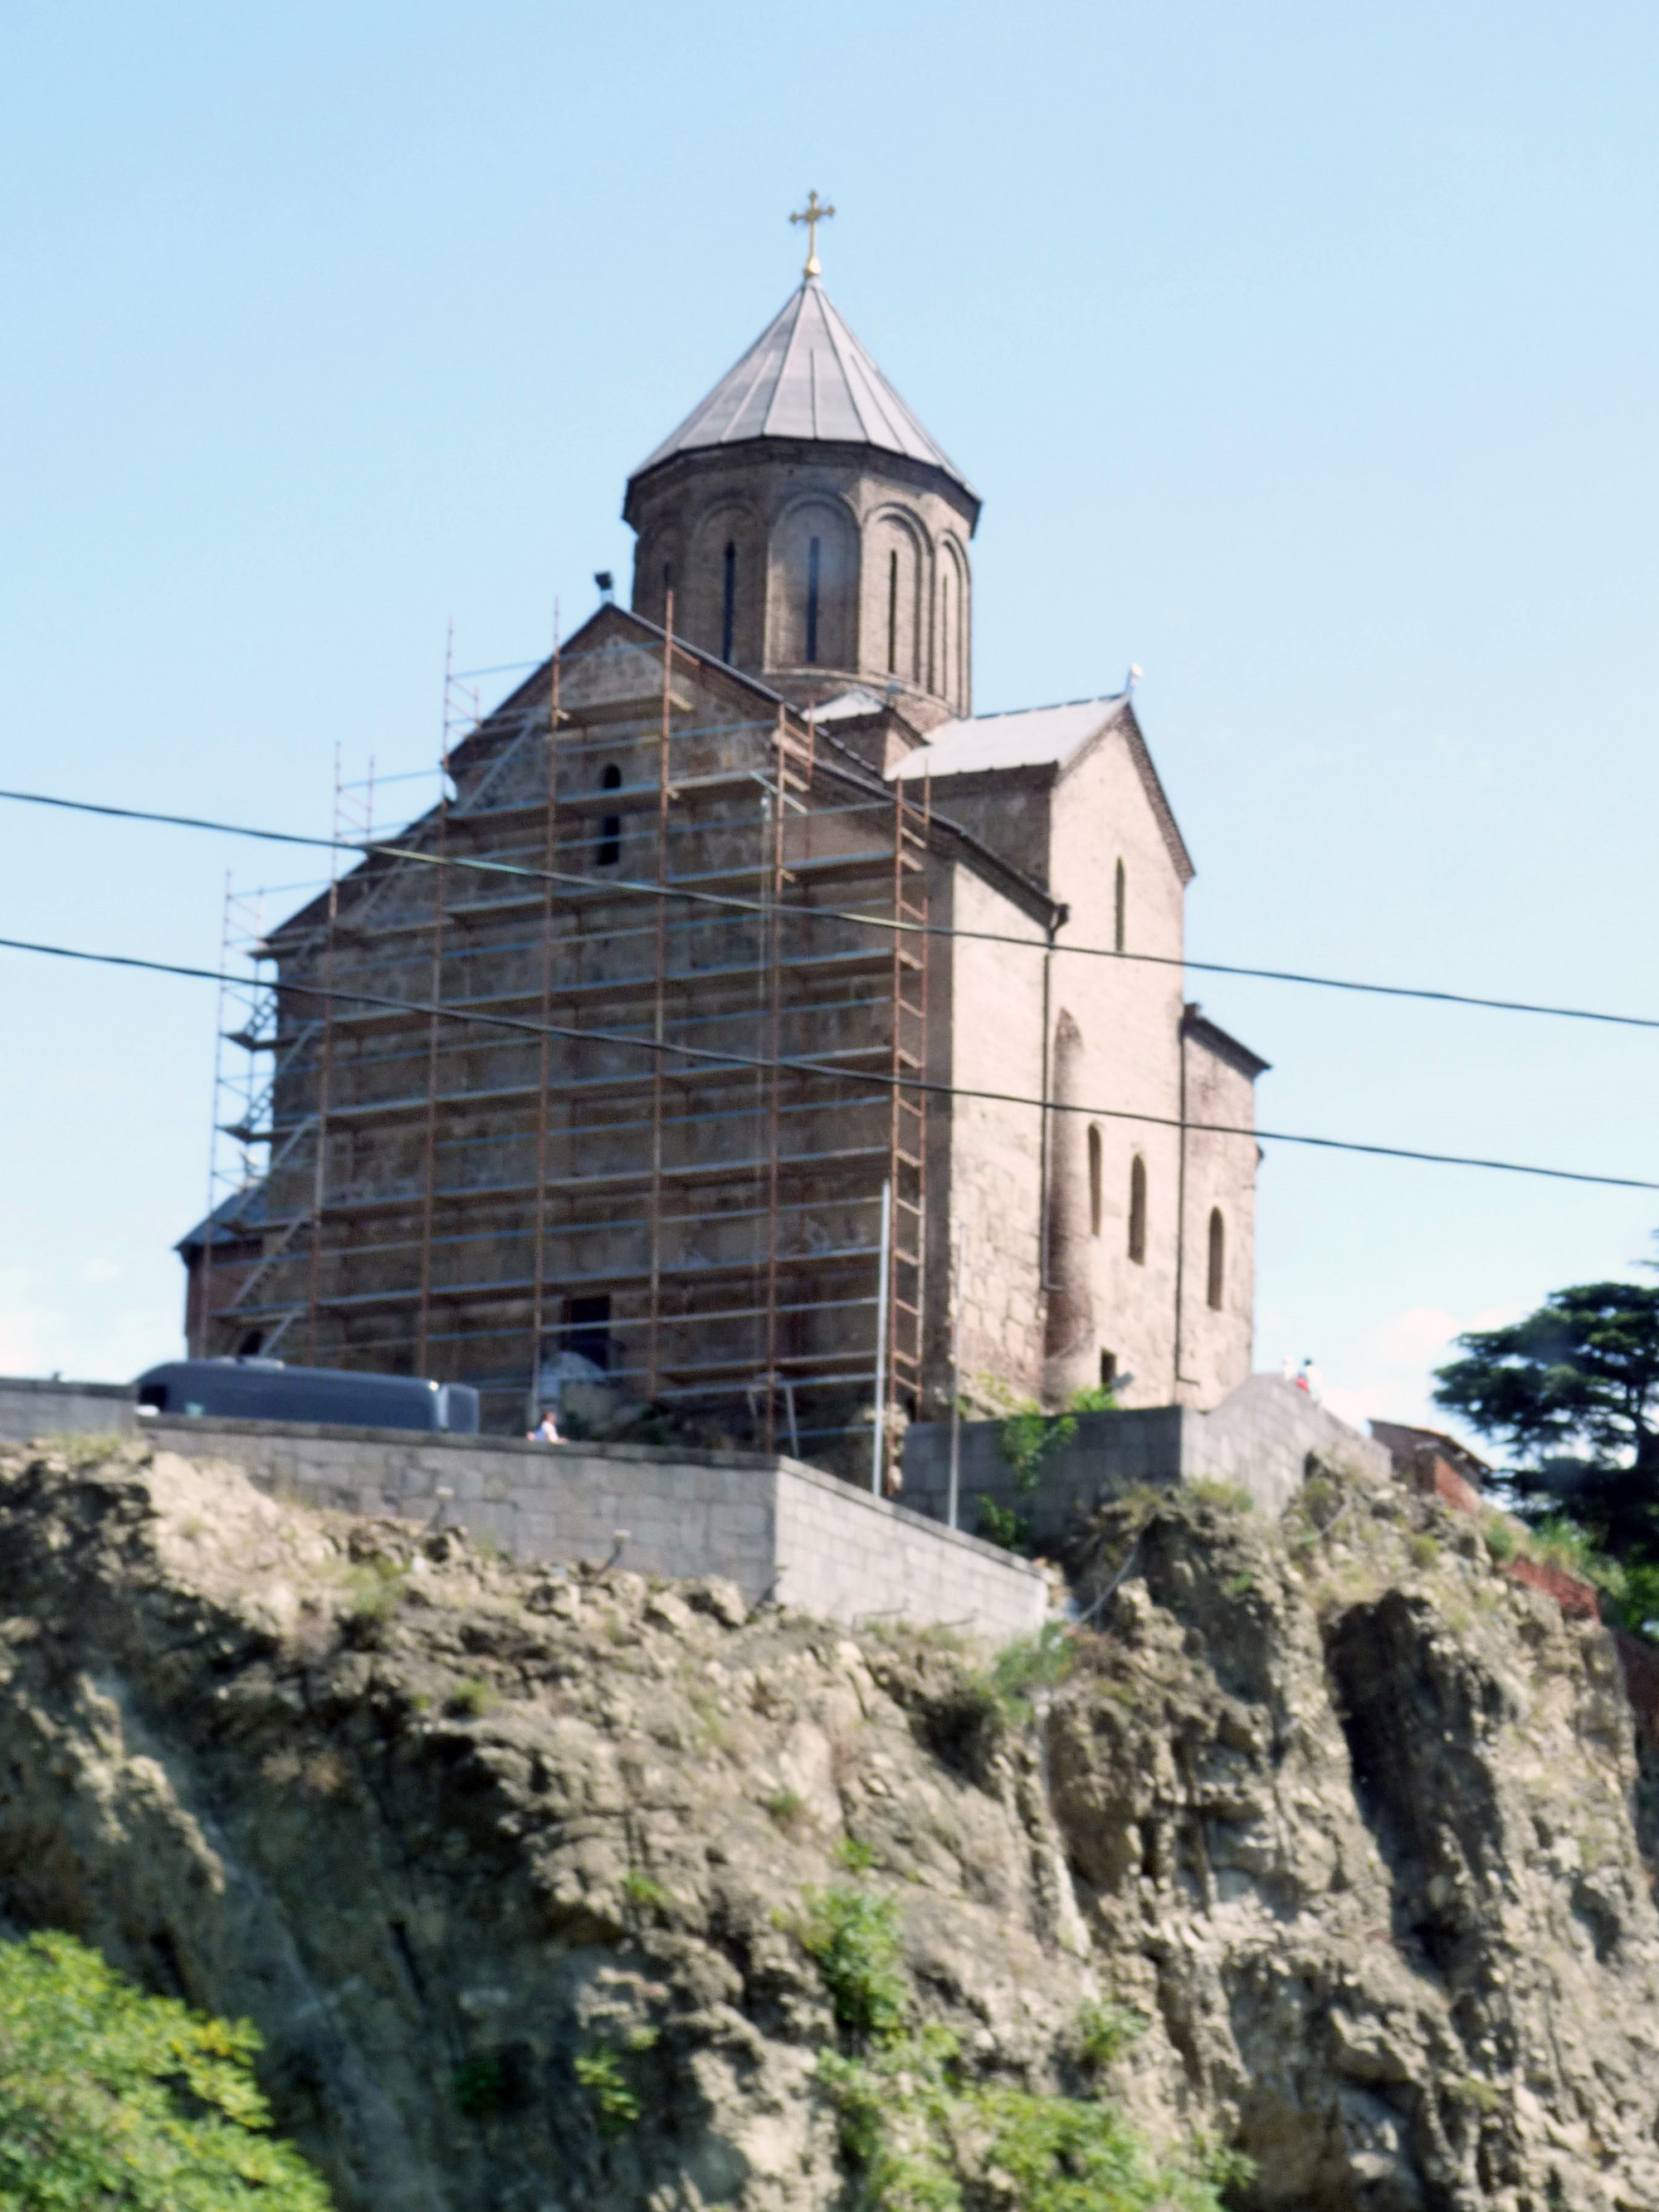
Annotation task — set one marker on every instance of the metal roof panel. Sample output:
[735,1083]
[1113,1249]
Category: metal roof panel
[806,377]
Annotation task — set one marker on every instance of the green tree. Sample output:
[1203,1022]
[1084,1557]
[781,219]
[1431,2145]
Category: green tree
[114,2101]
[1574,1390]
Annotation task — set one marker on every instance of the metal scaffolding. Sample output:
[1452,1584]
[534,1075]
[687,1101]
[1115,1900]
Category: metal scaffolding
[439,1196]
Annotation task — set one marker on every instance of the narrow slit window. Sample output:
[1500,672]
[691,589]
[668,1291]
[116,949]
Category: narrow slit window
[728,600]
[892,613]
[1119,900]
[1218,1271]
[608,850]
[1108,1370]
[814,553]
[1094,1180]
[1137,1211]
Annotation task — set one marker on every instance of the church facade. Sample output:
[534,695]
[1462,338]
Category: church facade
[756,1027]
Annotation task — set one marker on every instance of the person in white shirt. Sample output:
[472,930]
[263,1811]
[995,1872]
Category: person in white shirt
[547,1430]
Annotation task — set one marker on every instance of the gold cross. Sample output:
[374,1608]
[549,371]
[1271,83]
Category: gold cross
[812,214]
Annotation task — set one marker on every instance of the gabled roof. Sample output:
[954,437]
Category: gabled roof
[1028,737]
[237,1219]
[1046,737]
[806,377]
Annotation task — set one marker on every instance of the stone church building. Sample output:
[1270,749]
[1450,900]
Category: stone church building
[746,1027]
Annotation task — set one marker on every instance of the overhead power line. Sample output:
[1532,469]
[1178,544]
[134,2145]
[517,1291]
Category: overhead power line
[817,1068]
[625,887]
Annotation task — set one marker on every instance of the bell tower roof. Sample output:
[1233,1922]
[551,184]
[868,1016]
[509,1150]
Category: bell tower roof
[805,378]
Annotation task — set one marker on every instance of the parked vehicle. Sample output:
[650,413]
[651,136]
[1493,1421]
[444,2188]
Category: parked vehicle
[271,1390]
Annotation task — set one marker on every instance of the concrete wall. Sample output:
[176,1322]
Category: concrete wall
[1258,1438]
[850,1556]
[772,1526]
[31,1409]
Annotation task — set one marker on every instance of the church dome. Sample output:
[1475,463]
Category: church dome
[805,378]
[809,529]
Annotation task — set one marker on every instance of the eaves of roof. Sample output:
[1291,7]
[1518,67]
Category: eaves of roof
[1204,1031]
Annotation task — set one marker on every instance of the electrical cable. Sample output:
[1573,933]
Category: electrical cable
[625,887]
[707,1053]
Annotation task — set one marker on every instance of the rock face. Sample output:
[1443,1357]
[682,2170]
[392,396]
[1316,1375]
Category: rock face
[507,1866]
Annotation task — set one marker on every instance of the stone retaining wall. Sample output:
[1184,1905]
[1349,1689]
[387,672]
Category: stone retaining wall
[775,1527]
[1259,1438]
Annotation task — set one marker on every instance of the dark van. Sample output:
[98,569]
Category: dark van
[269,1390]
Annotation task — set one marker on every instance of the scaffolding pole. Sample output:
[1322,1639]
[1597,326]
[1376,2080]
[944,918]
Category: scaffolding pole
[324,1074]
[434,994]
[773,926]
[549,861]
[654,1340]
[196,1343]
[878,1426]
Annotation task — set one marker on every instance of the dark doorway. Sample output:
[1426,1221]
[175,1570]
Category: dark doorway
[587,1329]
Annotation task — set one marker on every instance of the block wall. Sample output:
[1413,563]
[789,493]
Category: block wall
[847,1556]
[30,1408]
[776,1529]
[1258,1439]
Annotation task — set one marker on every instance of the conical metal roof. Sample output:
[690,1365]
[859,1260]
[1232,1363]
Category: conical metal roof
[806,376]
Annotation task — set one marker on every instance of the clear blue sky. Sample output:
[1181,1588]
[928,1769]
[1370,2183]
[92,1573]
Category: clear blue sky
[1304,354]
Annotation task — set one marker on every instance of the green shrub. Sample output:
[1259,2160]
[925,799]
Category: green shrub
[115,2101]
[469,1700]
[1225,1497]
[924,2137]
[639,1889]
[1002,1524]
[1030,1664]
[1564,1544]
[785,1807]
[920,2134]
[853,1934]
[603,2072]
[856,1855]
[1424,1552]
[1503,1537]
[376,1589]
[1029,1436]
[1105,2031]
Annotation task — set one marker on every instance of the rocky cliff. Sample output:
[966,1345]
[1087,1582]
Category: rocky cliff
[1318,1841]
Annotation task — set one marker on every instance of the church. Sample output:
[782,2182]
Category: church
[753,1033]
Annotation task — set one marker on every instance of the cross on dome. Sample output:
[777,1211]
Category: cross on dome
[812,214]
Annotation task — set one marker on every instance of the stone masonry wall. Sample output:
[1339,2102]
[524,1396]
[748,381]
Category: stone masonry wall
[993,1036]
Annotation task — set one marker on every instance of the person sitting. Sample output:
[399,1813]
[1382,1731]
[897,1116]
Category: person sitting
[547,1430]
